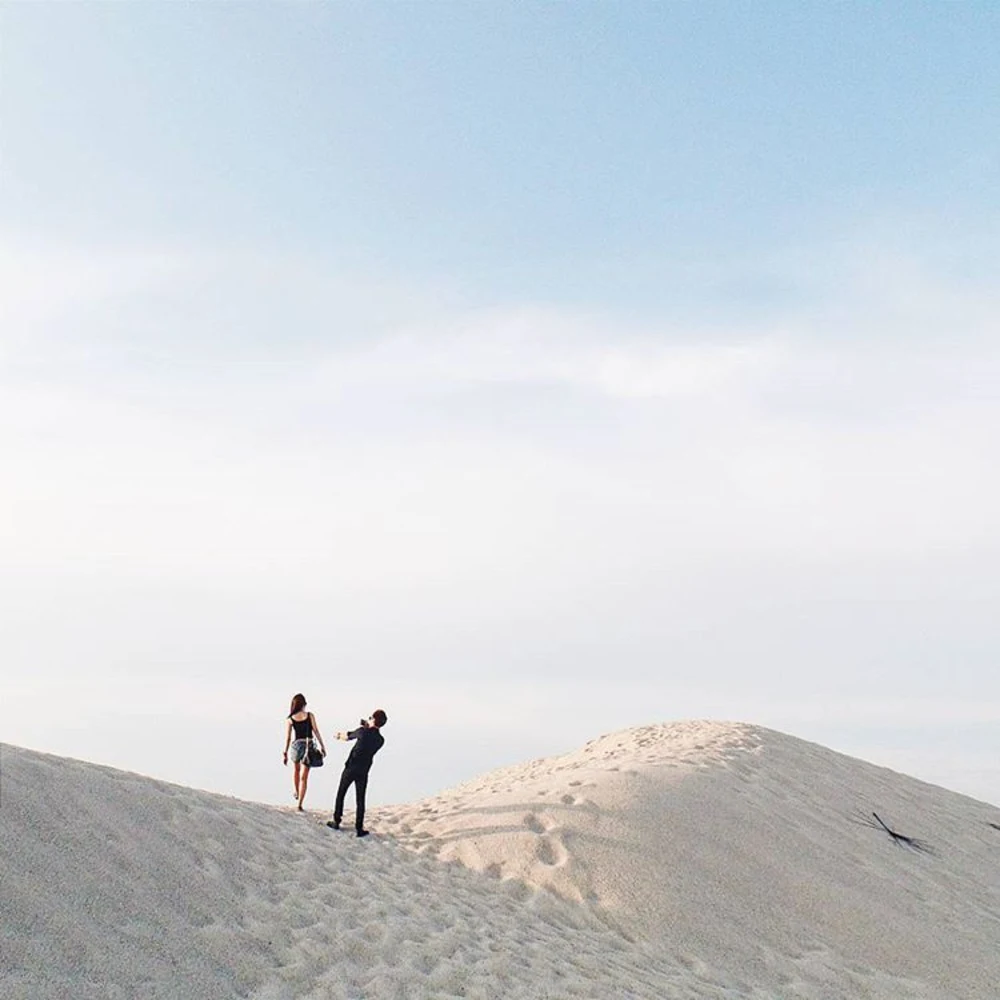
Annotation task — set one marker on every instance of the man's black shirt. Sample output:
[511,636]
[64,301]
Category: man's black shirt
[369,742]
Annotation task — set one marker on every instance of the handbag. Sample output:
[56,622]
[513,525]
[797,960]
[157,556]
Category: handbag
[314,758]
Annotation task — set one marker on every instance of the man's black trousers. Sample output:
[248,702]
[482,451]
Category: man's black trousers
[360,781]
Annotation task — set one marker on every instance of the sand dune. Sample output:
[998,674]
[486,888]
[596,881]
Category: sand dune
[749,852]
[700,860]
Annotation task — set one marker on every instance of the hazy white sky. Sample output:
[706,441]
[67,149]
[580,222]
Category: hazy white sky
[528,370]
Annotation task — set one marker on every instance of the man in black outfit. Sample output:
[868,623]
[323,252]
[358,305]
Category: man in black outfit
[369,741]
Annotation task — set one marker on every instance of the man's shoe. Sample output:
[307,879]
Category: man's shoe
[362,833]
[333,824]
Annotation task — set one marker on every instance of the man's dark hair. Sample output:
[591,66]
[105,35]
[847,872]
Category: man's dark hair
[379,718]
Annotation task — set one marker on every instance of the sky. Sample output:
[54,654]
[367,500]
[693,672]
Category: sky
[529,370]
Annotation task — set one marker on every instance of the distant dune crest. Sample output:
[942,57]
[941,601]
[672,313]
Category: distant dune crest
[695,743]
[670,743]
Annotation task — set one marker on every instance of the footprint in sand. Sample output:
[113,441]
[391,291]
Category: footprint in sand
[552,851]
[549,849]
[533,823]
[547,852]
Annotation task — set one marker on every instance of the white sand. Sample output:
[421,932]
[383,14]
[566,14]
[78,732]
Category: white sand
[688,860]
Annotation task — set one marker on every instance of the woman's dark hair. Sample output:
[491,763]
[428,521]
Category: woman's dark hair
[379,718]
[298,703]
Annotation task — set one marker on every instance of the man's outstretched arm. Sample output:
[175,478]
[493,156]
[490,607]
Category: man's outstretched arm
[353,734]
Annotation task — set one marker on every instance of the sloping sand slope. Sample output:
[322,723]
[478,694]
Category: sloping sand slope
[695,860]
[118,886]
[749,852]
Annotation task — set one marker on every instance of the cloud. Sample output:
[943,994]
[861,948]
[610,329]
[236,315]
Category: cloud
[221,465]
[284,394]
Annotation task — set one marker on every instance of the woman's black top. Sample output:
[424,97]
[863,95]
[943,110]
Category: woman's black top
[303,729]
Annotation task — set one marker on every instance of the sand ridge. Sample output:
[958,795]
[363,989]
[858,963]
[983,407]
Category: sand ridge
[752,852]
[116,885]
[688,860]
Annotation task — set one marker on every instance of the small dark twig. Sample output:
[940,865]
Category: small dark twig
[996,826]
[900,839]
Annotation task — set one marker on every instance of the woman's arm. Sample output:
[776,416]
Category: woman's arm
[288,738]
[318,734]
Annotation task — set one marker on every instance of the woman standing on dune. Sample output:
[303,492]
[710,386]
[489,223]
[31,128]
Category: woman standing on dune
[303,723]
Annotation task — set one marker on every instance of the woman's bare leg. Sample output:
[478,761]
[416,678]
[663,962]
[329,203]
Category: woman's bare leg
[303,785]
[296,779]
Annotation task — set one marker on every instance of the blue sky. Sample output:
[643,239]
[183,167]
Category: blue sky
[532,369]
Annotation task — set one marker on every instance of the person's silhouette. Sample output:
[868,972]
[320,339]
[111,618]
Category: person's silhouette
[368,741]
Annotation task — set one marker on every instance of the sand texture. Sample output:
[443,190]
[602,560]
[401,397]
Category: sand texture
[699,859]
